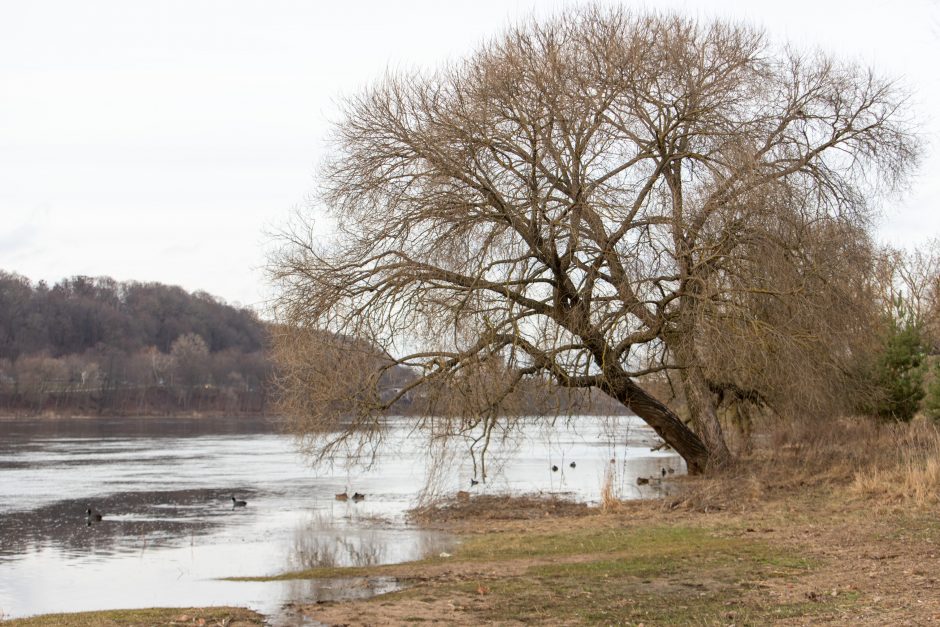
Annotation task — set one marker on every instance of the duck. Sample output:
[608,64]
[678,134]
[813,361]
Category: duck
[642,480]
[92,515]
[664,472]
[342,496]
[554,468]
[359,497]
[572,465]
[473,482]
[237,503]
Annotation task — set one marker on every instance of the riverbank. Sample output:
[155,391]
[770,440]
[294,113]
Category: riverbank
[840,527]
[835,523]
[11,416]
[815,557]
[202,617]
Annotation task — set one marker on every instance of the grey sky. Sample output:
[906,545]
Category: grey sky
[159,140]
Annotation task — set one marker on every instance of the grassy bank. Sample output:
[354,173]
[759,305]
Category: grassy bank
[832,524]
[203,617]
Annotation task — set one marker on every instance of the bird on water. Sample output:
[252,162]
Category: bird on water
[342,496]
[237,503]
[359,497]
[92,515]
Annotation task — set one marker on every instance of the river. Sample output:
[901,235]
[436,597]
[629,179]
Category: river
[169,531]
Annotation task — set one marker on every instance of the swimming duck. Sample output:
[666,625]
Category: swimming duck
[473,482]
[92,515]
[237,503]
[554,468]
[342,496]
[359,497]
[573,465]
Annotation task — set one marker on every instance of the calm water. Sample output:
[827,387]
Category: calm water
[170,532]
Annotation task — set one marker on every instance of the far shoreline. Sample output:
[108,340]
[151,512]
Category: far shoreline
[52,416]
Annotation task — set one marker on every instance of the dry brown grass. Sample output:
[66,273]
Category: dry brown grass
[609,500]
[492,507]
[890,462]
[911,469]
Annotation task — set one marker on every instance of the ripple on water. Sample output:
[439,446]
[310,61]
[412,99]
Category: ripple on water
[170,534]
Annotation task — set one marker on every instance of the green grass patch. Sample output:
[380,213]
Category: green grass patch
[672,575]
[656,539]
[142,617]
[657,574]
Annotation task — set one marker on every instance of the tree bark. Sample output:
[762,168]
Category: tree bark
[705,416]
[663,420]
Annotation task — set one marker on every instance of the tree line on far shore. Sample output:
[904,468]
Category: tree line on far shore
[96,345]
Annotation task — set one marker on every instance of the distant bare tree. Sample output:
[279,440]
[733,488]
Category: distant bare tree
[580,203]
[914,277]
[190,364]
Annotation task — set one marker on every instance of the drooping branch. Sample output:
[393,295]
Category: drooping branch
[591,200]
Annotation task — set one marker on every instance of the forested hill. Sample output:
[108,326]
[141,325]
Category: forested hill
[96,345]
[83,313]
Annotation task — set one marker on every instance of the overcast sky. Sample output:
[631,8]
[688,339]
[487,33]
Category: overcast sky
[160,140]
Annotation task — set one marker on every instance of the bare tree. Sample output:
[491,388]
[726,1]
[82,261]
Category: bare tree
[583,202]
[189,356]
[911,279]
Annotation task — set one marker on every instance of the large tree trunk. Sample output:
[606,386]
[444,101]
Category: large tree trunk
[662,419]
[705,416]
[700,402]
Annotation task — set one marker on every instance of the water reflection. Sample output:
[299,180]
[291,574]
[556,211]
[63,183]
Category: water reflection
[340,589]
[321,541]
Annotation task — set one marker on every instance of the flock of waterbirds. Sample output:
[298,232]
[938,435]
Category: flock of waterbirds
[639,480]
[662,475]
[356,497]
[93,515]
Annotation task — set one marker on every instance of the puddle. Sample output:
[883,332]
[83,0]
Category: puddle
[344,589]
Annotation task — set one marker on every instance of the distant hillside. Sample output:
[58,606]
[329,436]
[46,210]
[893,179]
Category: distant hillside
[84,313]
[96,345]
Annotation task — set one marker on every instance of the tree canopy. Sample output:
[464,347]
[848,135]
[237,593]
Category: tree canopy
[588,201]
